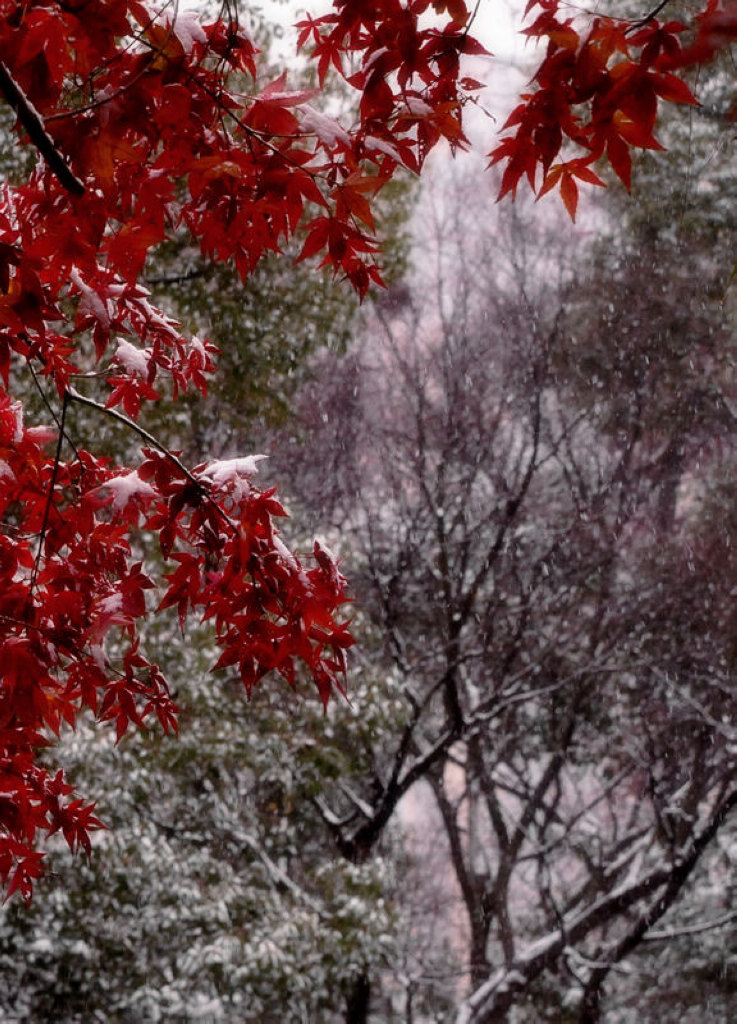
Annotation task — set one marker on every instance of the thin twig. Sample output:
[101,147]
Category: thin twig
[49,498]
[646,18]
[51,411]
[691,929]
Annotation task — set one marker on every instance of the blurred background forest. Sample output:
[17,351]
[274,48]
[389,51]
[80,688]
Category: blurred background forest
[523,451]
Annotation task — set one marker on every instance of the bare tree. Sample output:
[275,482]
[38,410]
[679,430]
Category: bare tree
[535,549]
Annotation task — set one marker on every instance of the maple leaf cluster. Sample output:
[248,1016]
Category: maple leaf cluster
[146,122]
[597,90]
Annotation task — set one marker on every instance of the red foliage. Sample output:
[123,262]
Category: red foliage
[595,94]
[145,123]
[143,126]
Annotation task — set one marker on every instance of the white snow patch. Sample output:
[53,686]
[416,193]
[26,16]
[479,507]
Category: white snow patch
[324,127]
[126,487]
[323,548]
[16,410]
[132,358]
[286,554]
[90,302]
[384,147]
[374,57]
[416,105]
[98,656]
[221,471]
[188,30]
[198,352]
[112,603]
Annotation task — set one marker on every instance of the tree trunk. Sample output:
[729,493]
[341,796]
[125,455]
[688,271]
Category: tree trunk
[358,1000]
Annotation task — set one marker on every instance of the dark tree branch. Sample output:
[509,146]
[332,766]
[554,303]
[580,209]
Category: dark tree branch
[31,121]
[491,1002]
[591,1005]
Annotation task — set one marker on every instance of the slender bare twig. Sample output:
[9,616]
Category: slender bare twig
[691,929]
[49,500]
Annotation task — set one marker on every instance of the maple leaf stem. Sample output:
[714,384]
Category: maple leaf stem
[31,121]
[24,624]
[650,15]
[50,635]
[52,412]
[472,18]
[49,500]
[190,275]
[64,115]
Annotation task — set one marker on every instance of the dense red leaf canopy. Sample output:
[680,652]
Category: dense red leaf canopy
[597,89]
[145,122]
